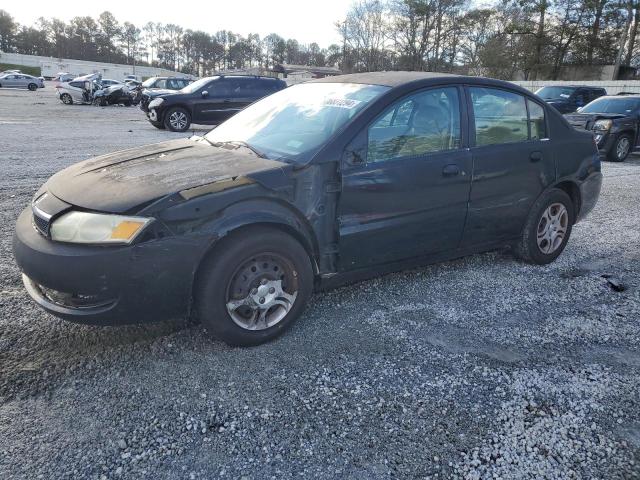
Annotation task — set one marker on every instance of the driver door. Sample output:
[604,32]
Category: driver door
[405,193]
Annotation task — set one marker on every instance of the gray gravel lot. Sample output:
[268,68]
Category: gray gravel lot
[473,368]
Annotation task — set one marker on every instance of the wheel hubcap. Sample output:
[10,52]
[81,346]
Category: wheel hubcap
[178,120]
[623,147]
[257,296]
[552,228]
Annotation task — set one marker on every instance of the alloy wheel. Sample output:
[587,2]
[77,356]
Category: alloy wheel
[178,120]
[622,147]
[261,292]
[552,228]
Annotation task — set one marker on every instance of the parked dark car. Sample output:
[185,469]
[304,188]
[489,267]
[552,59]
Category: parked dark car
[157,86]
[567,99]
[614,121]
[319,184]
[113,95]
[209,101]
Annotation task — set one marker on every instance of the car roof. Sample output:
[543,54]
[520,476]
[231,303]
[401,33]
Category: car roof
[574,86]
[626,95]
[419,79]
[389,79]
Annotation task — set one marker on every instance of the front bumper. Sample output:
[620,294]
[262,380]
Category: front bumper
[589,193]
[152,115]
[111,285]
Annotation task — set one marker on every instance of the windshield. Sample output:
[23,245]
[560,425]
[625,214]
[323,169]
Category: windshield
[193,87]
[550,93]
[294,123]
[612,105]
[148,82]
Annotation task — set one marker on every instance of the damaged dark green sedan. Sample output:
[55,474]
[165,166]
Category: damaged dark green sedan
[319,184]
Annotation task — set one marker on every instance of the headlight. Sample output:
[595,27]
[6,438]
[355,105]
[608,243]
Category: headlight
[84,227]
[602,125]
[156,102]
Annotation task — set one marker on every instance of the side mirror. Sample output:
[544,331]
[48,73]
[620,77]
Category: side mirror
[205,94]
[354,157]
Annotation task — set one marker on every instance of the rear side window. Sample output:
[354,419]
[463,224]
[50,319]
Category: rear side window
[422,123]
[537,121]
[500,116]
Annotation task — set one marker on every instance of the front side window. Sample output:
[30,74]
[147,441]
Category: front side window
[422,123]
[500,116]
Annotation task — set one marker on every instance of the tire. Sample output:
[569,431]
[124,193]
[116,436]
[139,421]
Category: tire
[255,262]
[621,148]
[158,125]
[66,99]
[33,87]
[177,119]
[546,247]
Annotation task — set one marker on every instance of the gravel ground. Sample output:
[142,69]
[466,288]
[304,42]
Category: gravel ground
[476,368]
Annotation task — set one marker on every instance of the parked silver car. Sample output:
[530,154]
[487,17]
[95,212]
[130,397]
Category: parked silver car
[21,80]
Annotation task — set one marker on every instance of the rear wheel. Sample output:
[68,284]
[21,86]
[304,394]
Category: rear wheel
[253,287]
[621,148]
[66,99]
[547,229]
[33,87]
[177,119]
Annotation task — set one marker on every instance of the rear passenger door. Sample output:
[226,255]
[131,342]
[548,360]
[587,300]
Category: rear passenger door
[512,163]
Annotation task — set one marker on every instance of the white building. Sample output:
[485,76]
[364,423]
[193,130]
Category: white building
[50,67]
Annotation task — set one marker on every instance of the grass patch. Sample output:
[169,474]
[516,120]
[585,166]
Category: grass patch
[35,71]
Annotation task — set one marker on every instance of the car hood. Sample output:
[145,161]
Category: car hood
[586,120]
[154,92]
[126,181]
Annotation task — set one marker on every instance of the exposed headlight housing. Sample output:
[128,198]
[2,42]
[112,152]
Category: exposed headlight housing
[603,125]
[97,228]
[156,102]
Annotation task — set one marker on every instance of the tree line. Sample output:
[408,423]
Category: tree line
[533,39]
[170,46]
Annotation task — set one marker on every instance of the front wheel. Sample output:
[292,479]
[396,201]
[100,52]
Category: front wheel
[547,229]
[253,287]
[620,149]
[33,87]
[66,99]
[177,120]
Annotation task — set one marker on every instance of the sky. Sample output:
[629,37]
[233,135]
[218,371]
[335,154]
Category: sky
[305,20]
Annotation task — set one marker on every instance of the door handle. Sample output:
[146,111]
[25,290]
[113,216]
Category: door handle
[535,156]
[450,170]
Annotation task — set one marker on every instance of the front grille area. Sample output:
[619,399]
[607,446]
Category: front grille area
[74,300]
[42,224]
